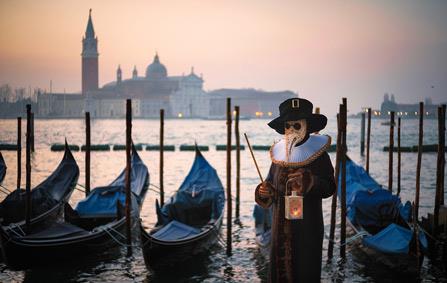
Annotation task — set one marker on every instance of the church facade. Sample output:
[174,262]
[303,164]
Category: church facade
[180,96]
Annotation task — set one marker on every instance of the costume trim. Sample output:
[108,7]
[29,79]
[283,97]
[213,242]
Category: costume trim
[309,160]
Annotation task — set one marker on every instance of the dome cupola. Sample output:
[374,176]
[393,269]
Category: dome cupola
[156,69]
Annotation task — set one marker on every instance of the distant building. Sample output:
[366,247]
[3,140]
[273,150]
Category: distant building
[406,110]
[180,96]
[252,102]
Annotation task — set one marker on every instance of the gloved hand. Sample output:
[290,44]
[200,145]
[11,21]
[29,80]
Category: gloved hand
[301,180]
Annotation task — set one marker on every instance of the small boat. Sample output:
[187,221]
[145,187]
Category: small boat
[47,199]
[96,225]
[189,222]
[2,168]
[263,228]
[381,223]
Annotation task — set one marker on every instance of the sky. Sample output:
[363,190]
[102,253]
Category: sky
[324,50]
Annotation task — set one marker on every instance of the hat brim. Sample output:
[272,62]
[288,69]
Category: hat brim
[315,122]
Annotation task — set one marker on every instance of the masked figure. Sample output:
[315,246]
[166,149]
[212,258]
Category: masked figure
[301,174]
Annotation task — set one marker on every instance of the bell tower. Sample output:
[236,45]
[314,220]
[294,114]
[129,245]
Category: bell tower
[89,58]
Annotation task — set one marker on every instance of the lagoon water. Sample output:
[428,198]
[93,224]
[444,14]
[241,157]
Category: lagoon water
[246,264]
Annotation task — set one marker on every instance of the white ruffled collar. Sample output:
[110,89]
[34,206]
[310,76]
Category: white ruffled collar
[301,155]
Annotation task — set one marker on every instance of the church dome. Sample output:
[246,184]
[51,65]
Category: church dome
[156,69]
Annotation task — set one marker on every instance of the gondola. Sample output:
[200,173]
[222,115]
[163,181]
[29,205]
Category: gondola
[380,223]
[189,222]
[2,168]
[263,228]
[97,224]
[47,199]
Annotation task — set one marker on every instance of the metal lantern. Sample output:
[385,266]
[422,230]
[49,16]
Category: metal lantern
[294,206]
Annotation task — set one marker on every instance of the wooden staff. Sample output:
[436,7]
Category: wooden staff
[162,131]
[87,153]
[368,140]
[128,174]
[19,152]
[253,157]
[438,174]
[343,122]
[418,168]
[28,170]
[362,135]
[398,156]
[229,206]
[330,250]
[390,153]
[238,159]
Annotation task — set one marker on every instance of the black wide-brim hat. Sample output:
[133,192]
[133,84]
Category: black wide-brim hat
[295,109]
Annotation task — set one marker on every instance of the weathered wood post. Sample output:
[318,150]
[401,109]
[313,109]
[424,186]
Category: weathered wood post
[162,150]
[330,249]
[87,153]
[343,122]
[28,170]
[128,174]
[32,131]
[419,161]
[390,153]
[443,155]
[438,174]
[362,135]
[229,206]
[19,152]
[238,160]
[399,159]
[368,140]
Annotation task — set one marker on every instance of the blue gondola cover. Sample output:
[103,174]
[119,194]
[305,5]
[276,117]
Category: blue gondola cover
[101,202]
[199,199]
[393,239]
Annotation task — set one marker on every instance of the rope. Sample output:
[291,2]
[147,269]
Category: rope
[12,227]
[80,185]
[349,240]
[106,229]
[154,186]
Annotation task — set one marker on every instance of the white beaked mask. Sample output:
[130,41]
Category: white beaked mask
[294,133]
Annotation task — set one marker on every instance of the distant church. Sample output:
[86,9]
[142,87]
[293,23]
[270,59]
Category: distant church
[180,96]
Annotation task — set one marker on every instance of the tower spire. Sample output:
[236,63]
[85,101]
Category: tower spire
[90,31]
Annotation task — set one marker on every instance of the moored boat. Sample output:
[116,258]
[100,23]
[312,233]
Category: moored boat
[47,199]
[382,223]
[97,224]
[189,222]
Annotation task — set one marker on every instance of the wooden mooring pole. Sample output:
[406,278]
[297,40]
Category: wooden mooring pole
[128,175]
[368,140]
[229,206]
[362,135]
[238,160]
[343,122]
[32,132]
[390,153]
[162,151]
[438,174]
[19,152]
[443,155]
[399,158]
[330,249]
[419,160]
[28,170]
[87,153]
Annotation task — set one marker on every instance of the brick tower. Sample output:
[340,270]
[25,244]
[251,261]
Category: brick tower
[89,58]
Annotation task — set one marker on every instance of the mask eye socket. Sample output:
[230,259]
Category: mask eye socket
[296,125]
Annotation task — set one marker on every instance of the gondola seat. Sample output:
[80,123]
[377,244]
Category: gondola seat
[55,231]
[175,231]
